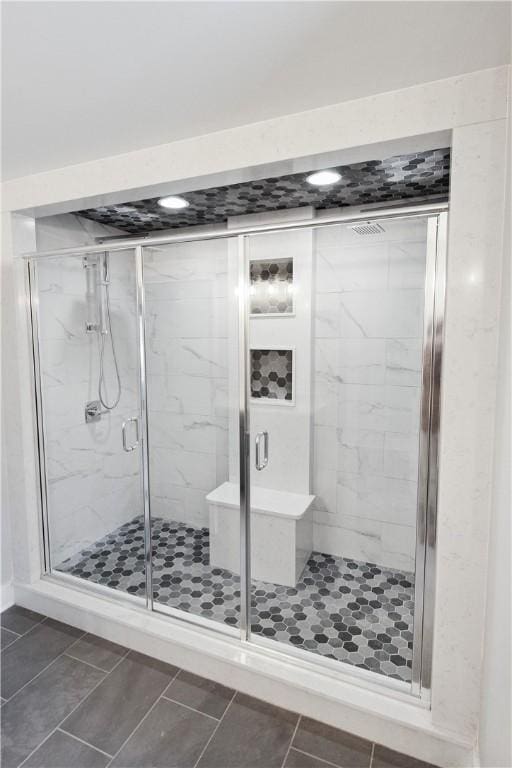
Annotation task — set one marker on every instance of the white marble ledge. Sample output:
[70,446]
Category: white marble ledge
[266,501]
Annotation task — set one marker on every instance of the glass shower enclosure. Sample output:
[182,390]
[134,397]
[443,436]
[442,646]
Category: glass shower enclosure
[240,429]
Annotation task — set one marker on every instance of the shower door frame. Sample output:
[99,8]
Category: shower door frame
[31,288]
[426,516]
[428,456]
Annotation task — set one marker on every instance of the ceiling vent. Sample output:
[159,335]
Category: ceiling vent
[367,228]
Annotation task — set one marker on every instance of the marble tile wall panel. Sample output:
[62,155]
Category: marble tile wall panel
[368,328]
[187,366]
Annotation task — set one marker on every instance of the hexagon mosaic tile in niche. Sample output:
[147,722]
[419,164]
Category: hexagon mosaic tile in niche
[272,374]
[271,289]
[341,609]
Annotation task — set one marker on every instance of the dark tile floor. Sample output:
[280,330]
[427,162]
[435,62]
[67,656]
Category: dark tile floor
[342,609]
[73,700]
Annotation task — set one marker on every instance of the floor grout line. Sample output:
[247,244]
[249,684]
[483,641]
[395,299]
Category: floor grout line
[36,748]
[291,740]
[12,631]
[19,635]
[372,754]
[82,741]
[315,757]
[192,709]
[214,731]
[126,651]
[60,723]
[159,698]
[38,674]
[14,640]
[89,664]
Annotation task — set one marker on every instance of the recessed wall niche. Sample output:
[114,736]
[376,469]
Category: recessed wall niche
[272,375]
[271,287]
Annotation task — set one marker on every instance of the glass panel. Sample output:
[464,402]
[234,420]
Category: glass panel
[89,388]
[335,383]
[192,379]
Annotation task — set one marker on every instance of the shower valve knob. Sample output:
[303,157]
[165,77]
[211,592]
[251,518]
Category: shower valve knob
[93,411]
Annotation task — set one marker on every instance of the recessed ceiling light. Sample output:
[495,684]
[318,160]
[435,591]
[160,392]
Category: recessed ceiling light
[173,202]
[323,178]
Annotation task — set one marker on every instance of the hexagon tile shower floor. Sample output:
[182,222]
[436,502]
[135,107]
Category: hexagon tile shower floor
[342,609]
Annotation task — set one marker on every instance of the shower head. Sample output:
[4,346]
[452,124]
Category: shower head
[367,228]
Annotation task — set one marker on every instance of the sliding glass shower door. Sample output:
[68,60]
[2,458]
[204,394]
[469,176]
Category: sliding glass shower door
[191,330]
[340,355]
[84,313]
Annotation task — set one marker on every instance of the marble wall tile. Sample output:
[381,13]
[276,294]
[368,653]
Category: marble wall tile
[397,313]
[325,402]
[325,489]
[188,432]
[354,361]
[187,468]
[357,314]
[361,451]
[403,361]
[93,485]
[401,456]
[189,357]
[407,263]
[180,394]
[361,361]
[188,318]
[185,262]
[386,544]
[178,502]
[356,268]
[366,393]
[376,498]
[325,446]
[187,346]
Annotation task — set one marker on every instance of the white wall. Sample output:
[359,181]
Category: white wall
[368,299]
[495,736]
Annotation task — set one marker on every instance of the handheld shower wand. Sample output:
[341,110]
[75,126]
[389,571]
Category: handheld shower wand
[105,330]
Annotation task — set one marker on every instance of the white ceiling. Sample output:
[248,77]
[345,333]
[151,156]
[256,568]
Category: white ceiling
[84,80]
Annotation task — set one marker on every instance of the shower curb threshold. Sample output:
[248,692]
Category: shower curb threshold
[369,710]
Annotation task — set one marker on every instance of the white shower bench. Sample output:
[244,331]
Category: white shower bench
[281,532]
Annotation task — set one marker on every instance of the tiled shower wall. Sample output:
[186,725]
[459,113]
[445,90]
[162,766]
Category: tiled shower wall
[93,485]
[187,367]
[367,360]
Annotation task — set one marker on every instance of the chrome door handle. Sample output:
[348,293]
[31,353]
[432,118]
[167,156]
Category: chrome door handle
[261,461]
[126,447]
